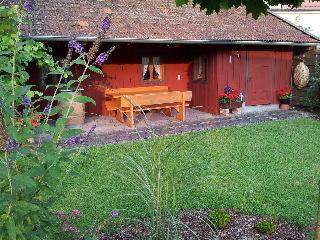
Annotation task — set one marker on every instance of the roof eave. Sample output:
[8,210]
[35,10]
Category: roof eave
[174,41]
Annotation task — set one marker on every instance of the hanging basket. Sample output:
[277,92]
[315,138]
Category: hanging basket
[301,75]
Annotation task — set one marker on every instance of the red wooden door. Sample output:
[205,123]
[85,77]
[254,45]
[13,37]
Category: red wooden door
[260,77]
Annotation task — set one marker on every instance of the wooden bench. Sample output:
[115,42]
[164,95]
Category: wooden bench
[112,96]
[140,99]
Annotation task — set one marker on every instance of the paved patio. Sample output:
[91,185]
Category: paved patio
[109,130]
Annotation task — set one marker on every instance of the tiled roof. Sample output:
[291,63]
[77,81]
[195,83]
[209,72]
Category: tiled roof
[156,19]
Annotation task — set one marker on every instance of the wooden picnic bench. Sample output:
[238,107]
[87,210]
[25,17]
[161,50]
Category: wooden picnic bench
[130,100]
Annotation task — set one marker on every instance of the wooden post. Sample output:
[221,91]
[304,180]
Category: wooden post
[181,116]
[119,116]
[318,217]
[130,121]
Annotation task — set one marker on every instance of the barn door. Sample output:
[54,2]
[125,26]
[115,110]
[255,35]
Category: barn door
[259,77]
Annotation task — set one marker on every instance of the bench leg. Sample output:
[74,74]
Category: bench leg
[111,113]
[130,121]
[119,116]
[167,112]
[181,116]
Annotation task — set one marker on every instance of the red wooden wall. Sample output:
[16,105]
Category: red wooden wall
[204,94]
[124,70]
[257,72]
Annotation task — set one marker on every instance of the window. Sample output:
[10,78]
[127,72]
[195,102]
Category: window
[200,68]
[152,69]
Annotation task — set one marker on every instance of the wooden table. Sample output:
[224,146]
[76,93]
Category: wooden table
[130,100]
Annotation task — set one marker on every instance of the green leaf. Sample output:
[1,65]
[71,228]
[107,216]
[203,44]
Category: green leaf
[83,77]
[4,53]
[71,132]
[11,229]
[56,72]
[22,181]
[60,123]
[84,99]
[3,172]
[71,82]
[63,96]
[181,2]
[67,111]
[25,207]
[54,111]
[7,69]
[36,171]
[96,70]
[22,90]
[78,61]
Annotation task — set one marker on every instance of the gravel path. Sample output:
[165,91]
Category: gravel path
[200,125]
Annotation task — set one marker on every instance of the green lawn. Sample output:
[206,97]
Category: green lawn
[269,168]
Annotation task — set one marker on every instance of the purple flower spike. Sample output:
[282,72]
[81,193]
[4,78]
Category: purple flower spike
[26,101]
[75,212]
[92,129]
[111,50]
[73,229]
[102,58]
[115,214]
[72,141]
[76,46]
[106,23]
[62,216]
[47,108]
[29,5]
[12,145]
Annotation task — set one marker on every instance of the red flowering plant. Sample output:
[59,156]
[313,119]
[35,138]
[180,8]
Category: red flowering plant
[230,96]
[284,94]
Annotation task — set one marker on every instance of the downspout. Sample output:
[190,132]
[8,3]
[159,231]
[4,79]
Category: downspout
[247,76]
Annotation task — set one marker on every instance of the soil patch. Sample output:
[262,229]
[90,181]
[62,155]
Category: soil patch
[194,225]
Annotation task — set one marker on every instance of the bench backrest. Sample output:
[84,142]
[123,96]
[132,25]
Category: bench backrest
[123,91]
[148,99]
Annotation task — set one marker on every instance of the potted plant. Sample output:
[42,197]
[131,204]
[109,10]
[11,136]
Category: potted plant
[284,97]
[230,99]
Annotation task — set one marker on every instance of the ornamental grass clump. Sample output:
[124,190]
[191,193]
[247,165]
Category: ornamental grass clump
[218,219]
[158,186]
[266,227]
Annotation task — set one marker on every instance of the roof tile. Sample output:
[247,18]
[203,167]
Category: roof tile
[156,19]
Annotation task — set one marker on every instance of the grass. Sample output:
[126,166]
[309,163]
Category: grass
[269,169]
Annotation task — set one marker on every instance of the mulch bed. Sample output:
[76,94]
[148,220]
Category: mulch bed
[195,226]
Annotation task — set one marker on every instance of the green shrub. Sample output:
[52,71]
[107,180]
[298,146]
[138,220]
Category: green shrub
[266,227]
[218,219]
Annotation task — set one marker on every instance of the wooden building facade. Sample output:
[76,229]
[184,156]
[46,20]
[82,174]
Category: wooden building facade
[257,72]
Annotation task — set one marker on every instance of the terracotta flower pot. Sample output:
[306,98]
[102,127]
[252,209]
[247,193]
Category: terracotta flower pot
[284,104]
[78,115]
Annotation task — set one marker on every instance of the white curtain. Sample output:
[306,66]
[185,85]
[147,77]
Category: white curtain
[157,68]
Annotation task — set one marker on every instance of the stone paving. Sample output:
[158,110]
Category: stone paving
[199,122]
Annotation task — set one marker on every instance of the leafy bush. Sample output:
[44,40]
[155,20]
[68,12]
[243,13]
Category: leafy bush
[312,100]
[32,167]
[219,219]
[266,227]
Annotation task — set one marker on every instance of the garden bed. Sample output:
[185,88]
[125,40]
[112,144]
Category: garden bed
[195,226]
